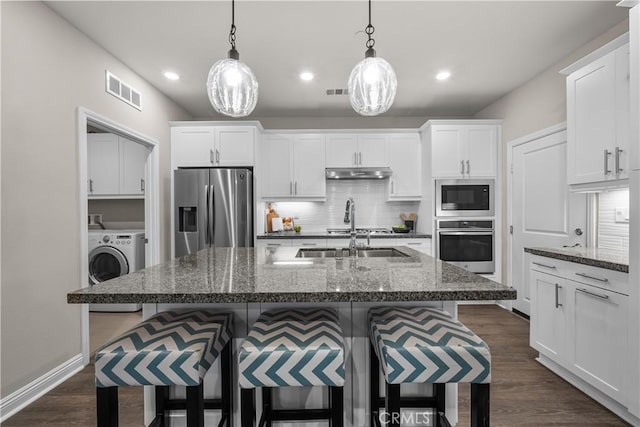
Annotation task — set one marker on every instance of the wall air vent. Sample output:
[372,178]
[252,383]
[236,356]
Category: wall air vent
[337,91]
[122,91]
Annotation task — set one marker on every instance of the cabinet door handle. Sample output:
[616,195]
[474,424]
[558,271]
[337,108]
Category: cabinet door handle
[90,186]
[309,244]
[295,188]
[543,265]
[607,153]
[414,244]
[211,159]
[290,187]
[617,159]
[599,279]
[462,167]
[217,156]
[360,158]
[355,158]
[593,294]
[392,187]
[142,185]
[274,244]
[558,287]
[468,168]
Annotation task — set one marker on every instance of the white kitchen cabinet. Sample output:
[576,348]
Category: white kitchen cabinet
[598,119]
[211,146]
[293,166]
[115,166]
[599,337]
[274,243]
[356,150]
[422,245]
[549,328]
[405,160]
[580,323]
[309,243]
[464,150]
[133,160]
[103,164]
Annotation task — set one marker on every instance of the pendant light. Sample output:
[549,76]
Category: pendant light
[232,87]
[372,83]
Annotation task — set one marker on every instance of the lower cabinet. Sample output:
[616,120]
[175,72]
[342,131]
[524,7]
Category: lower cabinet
[581,327]
[273,243]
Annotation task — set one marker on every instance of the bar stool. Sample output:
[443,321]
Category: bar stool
[425,345]
[292,348]
[172,348]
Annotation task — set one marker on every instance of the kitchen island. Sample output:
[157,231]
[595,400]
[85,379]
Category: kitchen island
[250,280]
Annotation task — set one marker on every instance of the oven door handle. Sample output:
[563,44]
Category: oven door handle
[463,233]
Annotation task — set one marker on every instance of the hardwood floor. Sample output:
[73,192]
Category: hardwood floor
[523,393]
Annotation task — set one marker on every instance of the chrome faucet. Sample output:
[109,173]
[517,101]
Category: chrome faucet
[350,216]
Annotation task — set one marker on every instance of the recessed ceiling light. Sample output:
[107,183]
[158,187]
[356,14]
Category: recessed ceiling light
[171,75]
[443,75]
[306,76]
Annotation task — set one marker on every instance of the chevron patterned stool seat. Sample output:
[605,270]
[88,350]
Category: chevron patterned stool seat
[172,348]
[426,345]
[292,348]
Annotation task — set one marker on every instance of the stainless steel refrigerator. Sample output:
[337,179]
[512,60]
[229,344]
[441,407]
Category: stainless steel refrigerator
[213,207]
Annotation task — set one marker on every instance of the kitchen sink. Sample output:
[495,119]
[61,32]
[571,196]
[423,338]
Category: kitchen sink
[344,253]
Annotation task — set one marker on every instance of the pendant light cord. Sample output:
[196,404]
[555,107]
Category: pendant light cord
[232,32]
[369,31]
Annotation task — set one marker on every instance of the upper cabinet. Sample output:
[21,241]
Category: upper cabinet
[115,166]
[405,160]
[598,96]
[356,150]
[212,146]
[293,166]
[464,150]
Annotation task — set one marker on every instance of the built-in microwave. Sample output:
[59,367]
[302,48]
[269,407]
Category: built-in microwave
[465,197]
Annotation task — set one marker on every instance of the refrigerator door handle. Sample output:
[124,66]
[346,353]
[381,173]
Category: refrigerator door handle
[211,223]
[206,197]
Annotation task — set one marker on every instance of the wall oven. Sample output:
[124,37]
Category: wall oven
[467,244]
[465,197]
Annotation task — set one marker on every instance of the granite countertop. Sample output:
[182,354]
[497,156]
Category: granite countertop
[326,235]
[610,259]
[254,275]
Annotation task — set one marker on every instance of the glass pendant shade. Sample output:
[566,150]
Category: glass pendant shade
[232,88]
[372,86]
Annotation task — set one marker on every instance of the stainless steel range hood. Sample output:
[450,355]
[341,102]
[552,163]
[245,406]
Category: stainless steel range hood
[358,173]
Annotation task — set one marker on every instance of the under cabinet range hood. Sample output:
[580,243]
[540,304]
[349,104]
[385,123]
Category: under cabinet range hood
[359,173]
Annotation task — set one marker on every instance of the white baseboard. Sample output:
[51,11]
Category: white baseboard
[28,394]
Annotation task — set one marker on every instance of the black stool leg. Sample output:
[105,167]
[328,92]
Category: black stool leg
[267,405]
[440,395]
[248,407]
[162,397]
[226,375]
[195,406]
[336,400]
[374,385]
[107,404]
[480,409]
[392,405]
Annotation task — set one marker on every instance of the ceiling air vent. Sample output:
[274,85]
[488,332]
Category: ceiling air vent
[337,92]
[123,91]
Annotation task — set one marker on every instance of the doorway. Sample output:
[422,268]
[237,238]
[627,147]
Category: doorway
[119,187]
[541,209]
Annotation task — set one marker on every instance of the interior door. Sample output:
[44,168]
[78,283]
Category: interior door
[543,211]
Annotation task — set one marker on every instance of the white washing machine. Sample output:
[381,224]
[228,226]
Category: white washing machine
[114,253]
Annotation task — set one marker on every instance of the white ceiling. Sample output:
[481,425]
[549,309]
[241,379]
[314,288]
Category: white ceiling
[489,47]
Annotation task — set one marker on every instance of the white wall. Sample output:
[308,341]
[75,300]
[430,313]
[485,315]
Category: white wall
[49,69]
[538,104]
[372,208]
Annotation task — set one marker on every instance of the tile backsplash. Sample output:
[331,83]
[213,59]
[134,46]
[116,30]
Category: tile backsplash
[612,234]
[372,207]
